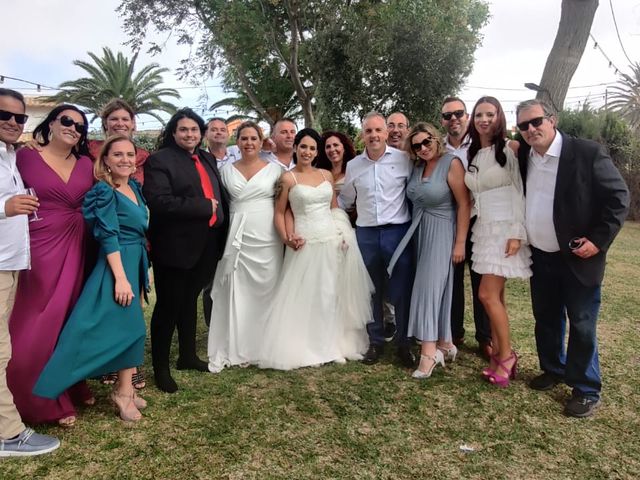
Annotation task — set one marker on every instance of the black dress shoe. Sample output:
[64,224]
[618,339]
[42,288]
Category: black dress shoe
[164,381]
[544,381]
[193,364]
[406,357]
[373,354]
[581,406]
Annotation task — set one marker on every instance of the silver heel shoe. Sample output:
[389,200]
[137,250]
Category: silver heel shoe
[450,354]
[438,358]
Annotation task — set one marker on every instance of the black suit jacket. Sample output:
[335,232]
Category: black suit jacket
[179,213]
[591,200]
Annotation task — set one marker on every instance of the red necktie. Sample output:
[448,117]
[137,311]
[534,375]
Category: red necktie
[205,183]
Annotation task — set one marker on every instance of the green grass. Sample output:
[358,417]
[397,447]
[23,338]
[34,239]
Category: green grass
[352,421]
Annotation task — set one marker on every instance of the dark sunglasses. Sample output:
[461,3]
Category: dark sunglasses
[21,118]
[424,143]
[66,121]
[536,122]
[456,113]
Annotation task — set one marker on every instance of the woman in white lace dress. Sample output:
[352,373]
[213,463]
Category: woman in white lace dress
[500,248]
[323,299]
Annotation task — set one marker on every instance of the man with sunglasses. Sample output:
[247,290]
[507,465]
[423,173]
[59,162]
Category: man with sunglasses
[15,438]
[454,119]
[576,203]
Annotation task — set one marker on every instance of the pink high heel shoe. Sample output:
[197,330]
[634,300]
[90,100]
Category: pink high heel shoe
[490,370]
[499,380]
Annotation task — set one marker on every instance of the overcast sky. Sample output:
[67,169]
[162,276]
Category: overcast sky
[43,37]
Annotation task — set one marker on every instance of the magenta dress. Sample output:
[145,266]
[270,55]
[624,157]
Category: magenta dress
[47,293]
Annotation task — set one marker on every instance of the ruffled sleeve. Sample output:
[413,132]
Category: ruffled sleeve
[99,210]
[518,229]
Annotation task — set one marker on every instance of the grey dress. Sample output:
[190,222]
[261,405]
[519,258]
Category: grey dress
[434,227]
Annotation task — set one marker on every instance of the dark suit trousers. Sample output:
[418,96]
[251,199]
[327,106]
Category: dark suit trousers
[177,291]
[480,317]
[556,293]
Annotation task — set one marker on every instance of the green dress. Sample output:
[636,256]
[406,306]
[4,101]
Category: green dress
[100,335]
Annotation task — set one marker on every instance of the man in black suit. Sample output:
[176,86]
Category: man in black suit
[187,231]
[576,203]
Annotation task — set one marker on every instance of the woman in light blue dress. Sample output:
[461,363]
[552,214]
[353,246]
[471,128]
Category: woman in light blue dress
[441,208]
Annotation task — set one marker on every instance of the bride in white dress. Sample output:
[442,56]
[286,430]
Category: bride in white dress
[323,300]
[246,277]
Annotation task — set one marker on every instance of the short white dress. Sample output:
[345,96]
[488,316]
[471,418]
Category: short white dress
[499,203]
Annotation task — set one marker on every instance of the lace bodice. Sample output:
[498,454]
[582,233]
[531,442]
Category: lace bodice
[311,208]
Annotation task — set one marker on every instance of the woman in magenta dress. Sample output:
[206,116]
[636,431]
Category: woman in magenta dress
[61,174]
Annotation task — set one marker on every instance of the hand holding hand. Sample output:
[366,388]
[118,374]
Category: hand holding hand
[513,245]
[21,205]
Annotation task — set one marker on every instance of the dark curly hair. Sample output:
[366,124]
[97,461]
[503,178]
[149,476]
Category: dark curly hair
[166,137]
[42,131]
[349,150]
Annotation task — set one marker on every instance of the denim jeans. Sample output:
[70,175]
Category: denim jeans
[557,295]
[377,245]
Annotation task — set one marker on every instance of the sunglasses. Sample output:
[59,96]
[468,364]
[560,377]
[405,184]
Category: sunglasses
[67,121]
[416,147]
[21,118]
[536,122]
[456,113]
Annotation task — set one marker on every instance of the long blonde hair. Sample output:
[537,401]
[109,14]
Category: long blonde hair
[100,169]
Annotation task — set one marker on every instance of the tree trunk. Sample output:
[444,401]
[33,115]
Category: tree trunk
[573,33]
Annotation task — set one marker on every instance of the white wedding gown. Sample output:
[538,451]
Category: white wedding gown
[247,275]
[323,300]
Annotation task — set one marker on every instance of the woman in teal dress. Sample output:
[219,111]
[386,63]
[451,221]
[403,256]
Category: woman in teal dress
[106,331]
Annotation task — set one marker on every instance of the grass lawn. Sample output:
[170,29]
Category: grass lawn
[352,421]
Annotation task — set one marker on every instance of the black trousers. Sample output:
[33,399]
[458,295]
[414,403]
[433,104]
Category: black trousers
[481,320]
[177,291]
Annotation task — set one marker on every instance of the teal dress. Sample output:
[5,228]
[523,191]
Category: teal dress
[100,335]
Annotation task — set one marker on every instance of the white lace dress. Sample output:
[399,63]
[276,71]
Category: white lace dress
[323,301]
[499,202]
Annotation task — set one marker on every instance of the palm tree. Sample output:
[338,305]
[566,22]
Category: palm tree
[112,76]
[626,98]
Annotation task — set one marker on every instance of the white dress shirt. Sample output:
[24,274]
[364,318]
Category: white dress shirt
[14,231]
[232,155]
[377,188]
[542,171]
[460,151]
[271,157]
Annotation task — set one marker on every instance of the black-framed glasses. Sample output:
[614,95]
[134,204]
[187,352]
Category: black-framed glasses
[67,121]
[456,113]
[536,122]
[21,118]
[416,147]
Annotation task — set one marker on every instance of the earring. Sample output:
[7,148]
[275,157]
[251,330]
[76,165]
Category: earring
[50,136]
[108,169]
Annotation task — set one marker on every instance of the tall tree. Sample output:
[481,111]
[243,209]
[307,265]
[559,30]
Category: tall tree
[576,19]
[625,98]
[338,58]
[113,76]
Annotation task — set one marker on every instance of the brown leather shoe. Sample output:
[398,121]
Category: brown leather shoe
[458,341]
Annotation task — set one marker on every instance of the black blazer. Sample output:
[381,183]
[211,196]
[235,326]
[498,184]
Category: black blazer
[591,200]
[179,213]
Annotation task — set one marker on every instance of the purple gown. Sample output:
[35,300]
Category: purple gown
[47,293]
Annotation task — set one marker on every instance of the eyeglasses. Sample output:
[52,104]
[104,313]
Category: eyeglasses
[575,243]
[21,118]
[456,113]
[67,121]
[536,122]
[416,147]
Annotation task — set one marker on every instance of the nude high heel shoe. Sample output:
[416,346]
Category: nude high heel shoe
[450,354]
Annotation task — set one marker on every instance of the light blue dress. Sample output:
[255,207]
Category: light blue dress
[434,226]
[100,335]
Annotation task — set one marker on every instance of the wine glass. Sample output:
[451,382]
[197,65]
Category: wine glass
[34,216]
